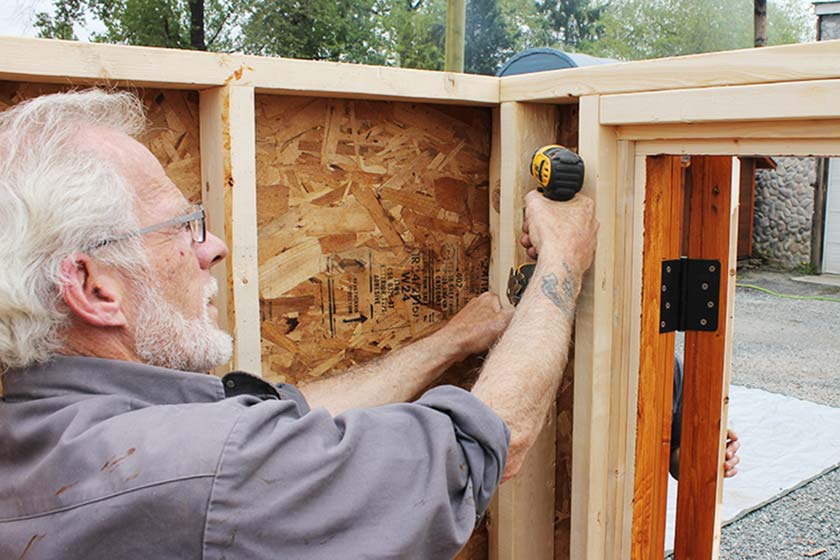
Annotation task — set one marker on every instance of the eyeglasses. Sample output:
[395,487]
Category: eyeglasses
[195,219]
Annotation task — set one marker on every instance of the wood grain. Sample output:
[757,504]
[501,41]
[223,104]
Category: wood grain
[662,219]
[707,355]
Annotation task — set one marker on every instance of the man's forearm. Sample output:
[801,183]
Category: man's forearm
[523,372]
[396,377]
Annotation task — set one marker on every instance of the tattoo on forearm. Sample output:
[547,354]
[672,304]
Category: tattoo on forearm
[563,297]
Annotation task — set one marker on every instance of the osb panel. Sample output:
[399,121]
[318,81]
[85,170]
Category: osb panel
[373,230]
[172,134]
[373,226]
[563,474]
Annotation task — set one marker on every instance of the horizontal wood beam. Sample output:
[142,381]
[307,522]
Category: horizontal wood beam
[798,100]
[736,147]
[829,128]
[812,61]
[76,63]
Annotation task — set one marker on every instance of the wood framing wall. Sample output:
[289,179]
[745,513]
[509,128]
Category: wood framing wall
[364,205]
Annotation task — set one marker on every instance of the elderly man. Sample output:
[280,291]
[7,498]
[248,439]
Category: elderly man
[115,443]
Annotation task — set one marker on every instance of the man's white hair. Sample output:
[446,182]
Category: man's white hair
[57,197]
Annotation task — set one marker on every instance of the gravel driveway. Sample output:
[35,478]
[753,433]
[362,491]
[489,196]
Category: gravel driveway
[790,347]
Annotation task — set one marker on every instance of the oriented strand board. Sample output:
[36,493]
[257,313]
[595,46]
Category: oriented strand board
[373,230]
[171,135]
[373,226]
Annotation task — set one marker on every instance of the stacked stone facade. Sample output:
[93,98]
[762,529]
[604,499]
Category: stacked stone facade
[784,211]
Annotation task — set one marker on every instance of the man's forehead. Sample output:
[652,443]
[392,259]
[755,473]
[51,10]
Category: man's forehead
[142,170]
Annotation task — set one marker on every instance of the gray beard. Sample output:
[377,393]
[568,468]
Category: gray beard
[165,338]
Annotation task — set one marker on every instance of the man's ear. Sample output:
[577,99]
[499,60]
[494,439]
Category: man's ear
[92,292]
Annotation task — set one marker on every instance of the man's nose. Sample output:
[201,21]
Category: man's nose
[212,251]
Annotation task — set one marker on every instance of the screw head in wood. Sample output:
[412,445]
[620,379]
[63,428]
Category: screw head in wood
[704,322]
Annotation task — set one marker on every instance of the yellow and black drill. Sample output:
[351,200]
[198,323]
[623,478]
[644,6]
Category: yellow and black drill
[559,172]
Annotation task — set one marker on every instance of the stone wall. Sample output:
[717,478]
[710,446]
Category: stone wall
[830,27]
[784,209]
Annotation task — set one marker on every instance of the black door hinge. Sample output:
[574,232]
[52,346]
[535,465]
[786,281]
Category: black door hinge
[690,295]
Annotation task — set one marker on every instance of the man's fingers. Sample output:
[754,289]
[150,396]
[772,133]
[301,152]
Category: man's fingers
[730,473]
[731,435]
[525,240]
[532,252]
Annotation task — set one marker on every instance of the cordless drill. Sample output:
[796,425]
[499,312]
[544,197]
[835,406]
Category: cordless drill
[559,172]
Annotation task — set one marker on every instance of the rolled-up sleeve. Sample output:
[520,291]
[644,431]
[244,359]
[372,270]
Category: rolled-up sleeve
[398,481]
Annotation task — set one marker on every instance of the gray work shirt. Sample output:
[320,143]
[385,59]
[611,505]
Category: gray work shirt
[110,459]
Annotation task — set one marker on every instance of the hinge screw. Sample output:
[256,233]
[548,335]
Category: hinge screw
[667,305]
[712,268]
[664,288]
[703,322]
[705,286]
[710,304]
[668,269]
[662,324]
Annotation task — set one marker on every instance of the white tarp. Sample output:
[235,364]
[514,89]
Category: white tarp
[784,442]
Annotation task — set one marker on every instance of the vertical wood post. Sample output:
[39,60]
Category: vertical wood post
[456,20]
[662,220]
[229,194]
[522,515]
[593,479]
[713,222]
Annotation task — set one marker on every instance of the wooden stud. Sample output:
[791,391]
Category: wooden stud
[746,208]
[713,202]
[662,219]
[799,100]
[814,61]
[63,62]
[229,194]
[628,238]
[592,474]
[523,515]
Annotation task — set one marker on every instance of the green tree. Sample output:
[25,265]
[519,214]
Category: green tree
[184,24]
[60,26]
[640,29]
[414,32]
[489,40]
[341,30]
[569,23]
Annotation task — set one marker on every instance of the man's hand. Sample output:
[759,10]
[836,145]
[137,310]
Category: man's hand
[732,459]
[523,371]
[564,230]
[476,327]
